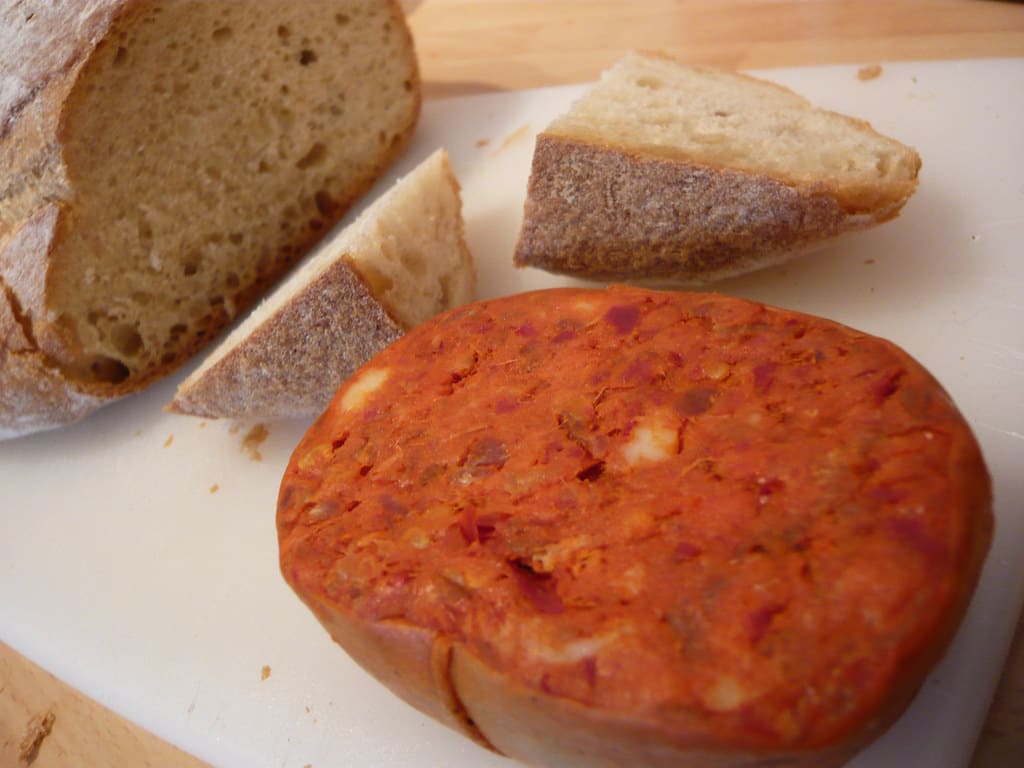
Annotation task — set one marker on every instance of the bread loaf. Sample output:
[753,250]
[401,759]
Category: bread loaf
[161,163]
[403,260]
[640,528]
[667,172]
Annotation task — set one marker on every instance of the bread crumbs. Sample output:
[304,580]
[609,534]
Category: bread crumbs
[481,143]
[38,728]
[265,672]
[519,134]
[869,72]
[214,488]
[252,441]
[168,441]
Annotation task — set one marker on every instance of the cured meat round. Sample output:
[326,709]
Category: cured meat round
[623,526]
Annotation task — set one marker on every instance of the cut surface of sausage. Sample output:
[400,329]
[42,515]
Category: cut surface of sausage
[745,527]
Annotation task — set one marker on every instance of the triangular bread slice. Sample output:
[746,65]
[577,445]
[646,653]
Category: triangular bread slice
[662,171]
[401,261]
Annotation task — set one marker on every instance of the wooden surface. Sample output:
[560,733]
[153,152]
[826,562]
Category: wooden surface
[473,46]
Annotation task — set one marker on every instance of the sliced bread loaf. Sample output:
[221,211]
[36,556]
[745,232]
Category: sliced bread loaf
[665,171]
[161,163]
[403,260]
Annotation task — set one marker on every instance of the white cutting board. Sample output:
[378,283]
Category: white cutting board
[124,572]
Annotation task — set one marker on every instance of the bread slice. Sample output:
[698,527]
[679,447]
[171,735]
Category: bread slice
[663,171]
[162,163]
[403,260]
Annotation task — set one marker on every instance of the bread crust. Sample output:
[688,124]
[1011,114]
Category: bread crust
[609,213]
[291,364]
[404,508]
[47,50]
[34,393]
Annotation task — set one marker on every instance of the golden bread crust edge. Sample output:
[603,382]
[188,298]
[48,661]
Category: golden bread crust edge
[609,213]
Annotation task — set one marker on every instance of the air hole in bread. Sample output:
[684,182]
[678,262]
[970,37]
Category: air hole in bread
[108,369]
[145,230]
[221,33]
[126,339]
[722,113]
[649,82]
[232,280]
[190,266]
[307,57]
[315,156]
[413,263]
[121,57]
[447,288]
[178,329]
[342,19]
[236,238]
[284,32]
[379,282]
[325,204]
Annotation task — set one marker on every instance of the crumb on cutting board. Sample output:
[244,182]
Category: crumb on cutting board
[869,261]
[38,728]
[214,488]
[168,441]
[519,134]
[265,672]
[252,441]
[869,72]
[482,142]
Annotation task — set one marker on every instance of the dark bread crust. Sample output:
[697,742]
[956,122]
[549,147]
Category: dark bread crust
[614,213]
[368,471]
[299,356]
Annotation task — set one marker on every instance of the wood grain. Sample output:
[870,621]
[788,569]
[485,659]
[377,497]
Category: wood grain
[82,733]
[473,46]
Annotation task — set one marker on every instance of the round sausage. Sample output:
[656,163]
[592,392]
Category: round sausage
[630,527]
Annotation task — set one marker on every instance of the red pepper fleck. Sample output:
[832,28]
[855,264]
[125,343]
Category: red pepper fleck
[685,551]
[624,317]
[764,375]
[696,400]
[538,588]
[760,621]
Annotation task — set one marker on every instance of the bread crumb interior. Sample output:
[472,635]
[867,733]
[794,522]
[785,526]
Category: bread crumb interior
[208,145]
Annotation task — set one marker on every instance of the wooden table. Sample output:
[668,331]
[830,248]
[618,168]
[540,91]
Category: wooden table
[473,46]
